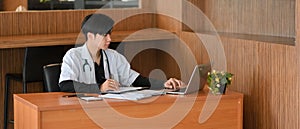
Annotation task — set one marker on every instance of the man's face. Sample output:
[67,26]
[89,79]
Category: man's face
[101,41]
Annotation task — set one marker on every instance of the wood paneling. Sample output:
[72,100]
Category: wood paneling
[21,41]
[267,78]
[67,21]
[296,95]
[260,20]
[58,111]
[9,5]
[195,45]
[168,23]
[11,62]
[268,74]
[260,17]
[53,22]
[1,5]
[159,58]
[48,22]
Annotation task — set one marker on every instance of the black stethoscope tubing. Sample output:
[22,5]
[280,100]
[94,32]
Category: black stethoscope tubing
[107,64]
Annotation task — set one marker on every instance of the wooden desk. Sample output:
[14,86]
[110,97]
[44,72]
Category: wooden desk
[52,111]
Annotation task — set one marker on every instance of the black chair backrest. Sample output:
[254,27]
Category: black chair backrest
[51,77]
[37,57]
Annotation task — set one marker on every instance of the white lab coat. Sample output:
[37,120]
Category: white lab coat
[73,67]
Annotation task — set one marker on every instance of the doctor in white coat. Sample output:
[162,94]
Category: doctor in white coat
[94,68]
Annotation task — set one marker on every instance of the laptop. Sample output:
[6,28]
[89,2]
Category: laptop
[197,80]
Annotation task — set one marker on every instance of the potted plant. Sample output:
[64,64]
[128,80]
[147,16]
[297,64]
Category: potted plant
[218,81]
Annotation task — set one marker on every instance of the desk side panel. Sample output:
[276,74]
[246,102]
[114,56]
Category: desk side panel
[228,115]
[67,119]
[25,117]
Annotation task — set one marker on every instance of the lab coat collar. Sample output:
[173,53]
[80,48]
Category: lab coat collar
[85,54]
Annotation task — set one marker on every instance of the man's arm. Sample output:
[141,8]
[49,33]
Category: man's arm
[74,86]
[141,81]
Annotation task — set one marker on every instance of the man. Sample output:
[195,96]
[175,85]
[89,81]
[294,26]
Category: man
[95,68]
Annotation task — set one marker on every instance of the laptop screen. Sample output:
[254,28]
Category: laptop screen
[197,79]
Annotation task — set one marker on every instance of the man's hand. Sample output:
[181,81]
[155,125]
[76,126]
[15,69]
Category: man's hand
[173,83]
[110,84]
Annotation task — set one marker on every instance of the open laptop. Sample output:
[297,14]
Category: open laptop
[196,82]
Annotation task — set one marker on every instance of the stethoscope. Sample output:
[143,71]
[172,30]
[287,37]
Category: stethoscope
[86,64]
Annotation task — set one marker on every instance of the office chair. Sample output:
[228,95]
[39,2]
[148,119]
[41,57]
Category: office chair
[34,60]
[51,77]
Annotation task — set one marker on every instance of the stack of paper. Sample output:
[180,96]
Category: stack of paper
[135,95]
[125,89]
[152,92]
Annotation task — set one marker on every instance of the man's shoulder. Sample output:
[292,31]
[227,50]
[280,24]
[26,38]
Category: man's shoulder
[74,51]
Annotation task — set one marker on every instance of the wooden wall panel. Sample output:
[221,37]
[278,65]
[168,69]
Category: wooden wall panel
[11,5]
[141,21]
[51,22]
[292,80]
[48,22]
[260,17]
[168,23]
[11,62]
[7,60]
[198,49]
[1,87]
[141,64]
[67,21]
[296,95]
[1,5]
[267,75]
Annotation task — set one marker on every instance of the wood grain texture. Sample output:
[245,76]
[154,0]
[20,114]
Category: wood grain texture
[246,19]
[30,23]
[65,21]
[12,60]
[67,113]
[22,41]
[296,79]
[1,5]
[260,17]
[9,5]
[31,115]
[266,73]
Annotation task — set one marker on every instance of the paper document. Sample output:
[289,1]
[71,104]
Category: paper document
[91,98]
[123,89]
[135,95]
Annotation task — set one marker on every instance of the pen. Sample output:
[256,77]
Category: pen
[80,95]
[69,95]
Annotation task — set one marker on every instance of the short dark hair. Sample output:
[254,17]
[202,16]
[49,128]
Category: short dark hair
[97,24]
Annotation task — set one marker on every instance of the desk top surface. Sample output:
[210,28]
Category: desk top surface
[56,101]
